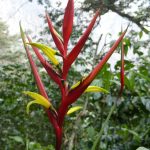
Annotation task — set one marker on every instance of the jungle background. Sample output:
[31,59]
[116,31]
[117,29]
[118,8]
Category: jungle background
[129,126]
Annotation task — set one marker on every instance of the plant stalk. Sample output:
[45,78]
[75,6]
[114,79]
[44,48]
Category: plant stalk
[76,125]
[97,142]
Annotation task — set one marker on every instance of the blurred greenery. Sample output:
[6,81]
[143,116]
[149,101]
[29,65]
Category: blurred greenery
[129,125]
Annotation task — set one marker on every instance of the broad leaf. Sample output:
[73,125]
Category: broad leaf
[142,148]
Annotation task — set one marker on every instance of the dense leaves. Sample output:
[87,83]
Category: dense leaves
[129,126]
[16,127]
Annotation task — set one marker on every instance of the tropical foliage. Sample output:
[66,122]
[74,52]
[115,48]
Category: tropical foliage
[128,126]
[59,73]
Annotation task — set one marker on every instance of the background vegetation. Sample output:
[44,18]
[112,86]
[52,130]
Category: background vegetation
[129,126]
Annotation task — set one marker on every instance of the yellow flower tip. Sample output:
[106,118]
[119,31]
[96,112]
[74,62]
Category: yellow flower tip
[58,35]
[77,84]
[73,109]
[96,89]
[48,51]
[25,92]
[28,106]
[38,99]
[43,47]
[22,35]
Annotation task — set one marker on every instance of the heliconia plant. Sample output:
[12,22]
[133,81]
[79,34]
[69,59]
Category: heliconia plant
[59,72]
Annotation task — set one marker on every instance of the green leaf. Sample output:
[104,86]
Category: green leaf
[17,139]
[131,132]
[146,102]
[91,132]
[140,34]
[128,65]
[127,82]
[144,77]
[127,42]
[146,31]
[130,81]
[142,148]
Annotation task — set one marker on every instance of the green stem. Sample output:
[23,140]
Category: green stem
[76,125]
[27,143]
[97,142]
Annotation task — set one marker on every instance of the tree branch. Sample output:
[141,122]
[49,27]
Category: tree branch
[130,18]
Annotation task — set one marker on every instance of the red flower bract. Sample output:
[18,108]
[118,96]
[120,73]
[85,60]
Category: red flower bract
[68,96]
[68,24]
[122,70]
